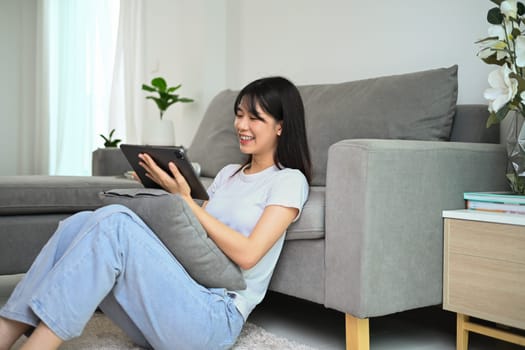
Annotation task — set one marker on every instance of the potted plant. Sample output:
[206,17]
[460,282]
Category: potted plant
[160,132]
[505,48]
[109,161]
[109,142]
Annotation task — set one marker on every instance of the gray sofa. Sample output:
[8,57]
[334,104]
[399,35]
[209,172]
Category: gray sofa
[389,155]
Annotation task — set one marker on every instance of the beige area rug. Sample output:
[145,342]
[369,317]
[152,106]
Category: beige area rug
[102,334]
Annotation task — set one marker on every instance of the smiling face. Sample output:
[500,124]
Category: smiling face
[258,132]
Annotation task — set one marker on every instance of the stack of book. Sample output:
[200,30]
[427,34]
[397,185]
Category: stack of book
[501,202]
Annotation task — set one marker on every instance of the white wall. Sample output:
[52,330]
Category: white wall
[231,42]
[209,45]
[185,41]
[17,55]
[314,41]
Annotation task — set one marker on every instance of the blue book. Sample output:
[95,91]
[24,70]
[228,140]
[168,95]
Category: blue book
[495,197]
[496,207]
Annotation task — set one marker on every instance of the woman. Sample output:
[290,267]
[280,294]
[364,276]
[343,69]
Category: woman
[111,259]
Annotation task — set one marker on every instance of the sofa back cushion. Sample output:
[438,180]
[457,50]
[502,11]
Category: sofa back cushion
[215,143]
[470,125]
[415,106]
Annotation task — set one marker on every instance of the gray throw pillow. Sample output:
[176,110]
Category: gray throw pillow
[177,227]
[412,106]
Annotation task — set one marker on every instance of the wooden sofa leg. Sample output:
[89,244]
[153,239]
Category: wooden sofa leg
[357,333]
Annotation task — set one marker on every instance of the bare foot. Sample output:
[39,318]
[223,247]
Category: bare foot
[10,331]
[42,338]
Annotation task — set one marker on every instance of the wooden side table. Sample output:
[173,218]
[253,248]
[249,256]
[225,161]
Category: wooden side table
[484,273]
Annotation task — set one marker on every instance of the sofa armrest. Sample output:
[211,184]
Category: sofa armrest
[384,236]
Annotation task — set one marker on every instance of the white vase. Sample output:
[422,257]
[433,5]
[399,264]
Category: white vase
[516,152]
[158,132]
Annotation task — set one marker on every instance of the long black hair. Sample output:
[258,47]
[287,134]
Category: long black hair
[280,98]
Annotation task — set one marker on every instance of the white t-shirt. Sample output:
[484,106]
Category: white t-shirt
[239,201]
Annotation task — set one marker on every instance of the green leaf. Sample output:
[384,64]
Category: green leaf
[158,101]
[503,111]
[521,9]
[515,33]
[161,104]
[494,16]
[497,2]
[492,59]
[108,142]
[521,82]
[166,96]
[497,117]
[148,88]
[490,38]
[160,83]
[492,119]
[173,88]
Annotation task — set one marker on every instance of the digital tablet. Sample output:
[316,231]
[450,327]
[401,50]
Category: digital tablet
[162,155]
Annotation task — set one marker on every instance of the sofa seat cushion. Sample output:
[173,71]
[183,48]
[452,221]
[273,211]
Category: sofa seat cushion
[311,222]
[38,194]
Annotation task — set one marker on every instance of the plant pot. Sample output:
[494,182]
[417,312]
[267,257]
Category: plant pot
[158,132]
[109,162]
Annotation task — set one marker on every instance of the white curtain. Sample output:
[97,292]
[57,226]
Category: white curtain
[34,130]
[127,99]
[86,80]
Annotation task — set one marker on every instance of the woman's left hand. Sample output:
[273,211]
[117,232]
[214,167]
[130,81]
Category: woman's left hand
[175,184]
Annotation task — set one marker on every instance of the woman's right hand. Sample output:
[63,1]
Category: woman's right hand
[176,183]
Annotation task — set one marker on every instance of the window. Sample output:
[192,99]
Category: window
[81,49]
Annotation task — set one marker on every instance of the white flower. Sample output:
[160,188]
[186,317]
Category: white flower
[503,88]
[502,31]
[498,45]
[497,31]
[520,51]
[490,46]
[509,8]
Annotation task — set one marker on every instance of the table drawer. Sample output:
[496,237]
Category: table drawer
[486,288]
[484,270]
[485,239]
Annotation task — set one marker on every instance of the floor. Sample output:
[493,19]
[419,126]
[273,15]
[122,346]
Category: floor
[429,328]
[311,324]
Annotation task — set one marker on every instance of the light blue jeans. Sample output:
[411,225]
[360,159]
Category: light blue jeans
[110,258]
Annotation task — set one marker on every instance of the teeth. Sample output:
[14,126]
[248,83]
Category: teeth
[246,138]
